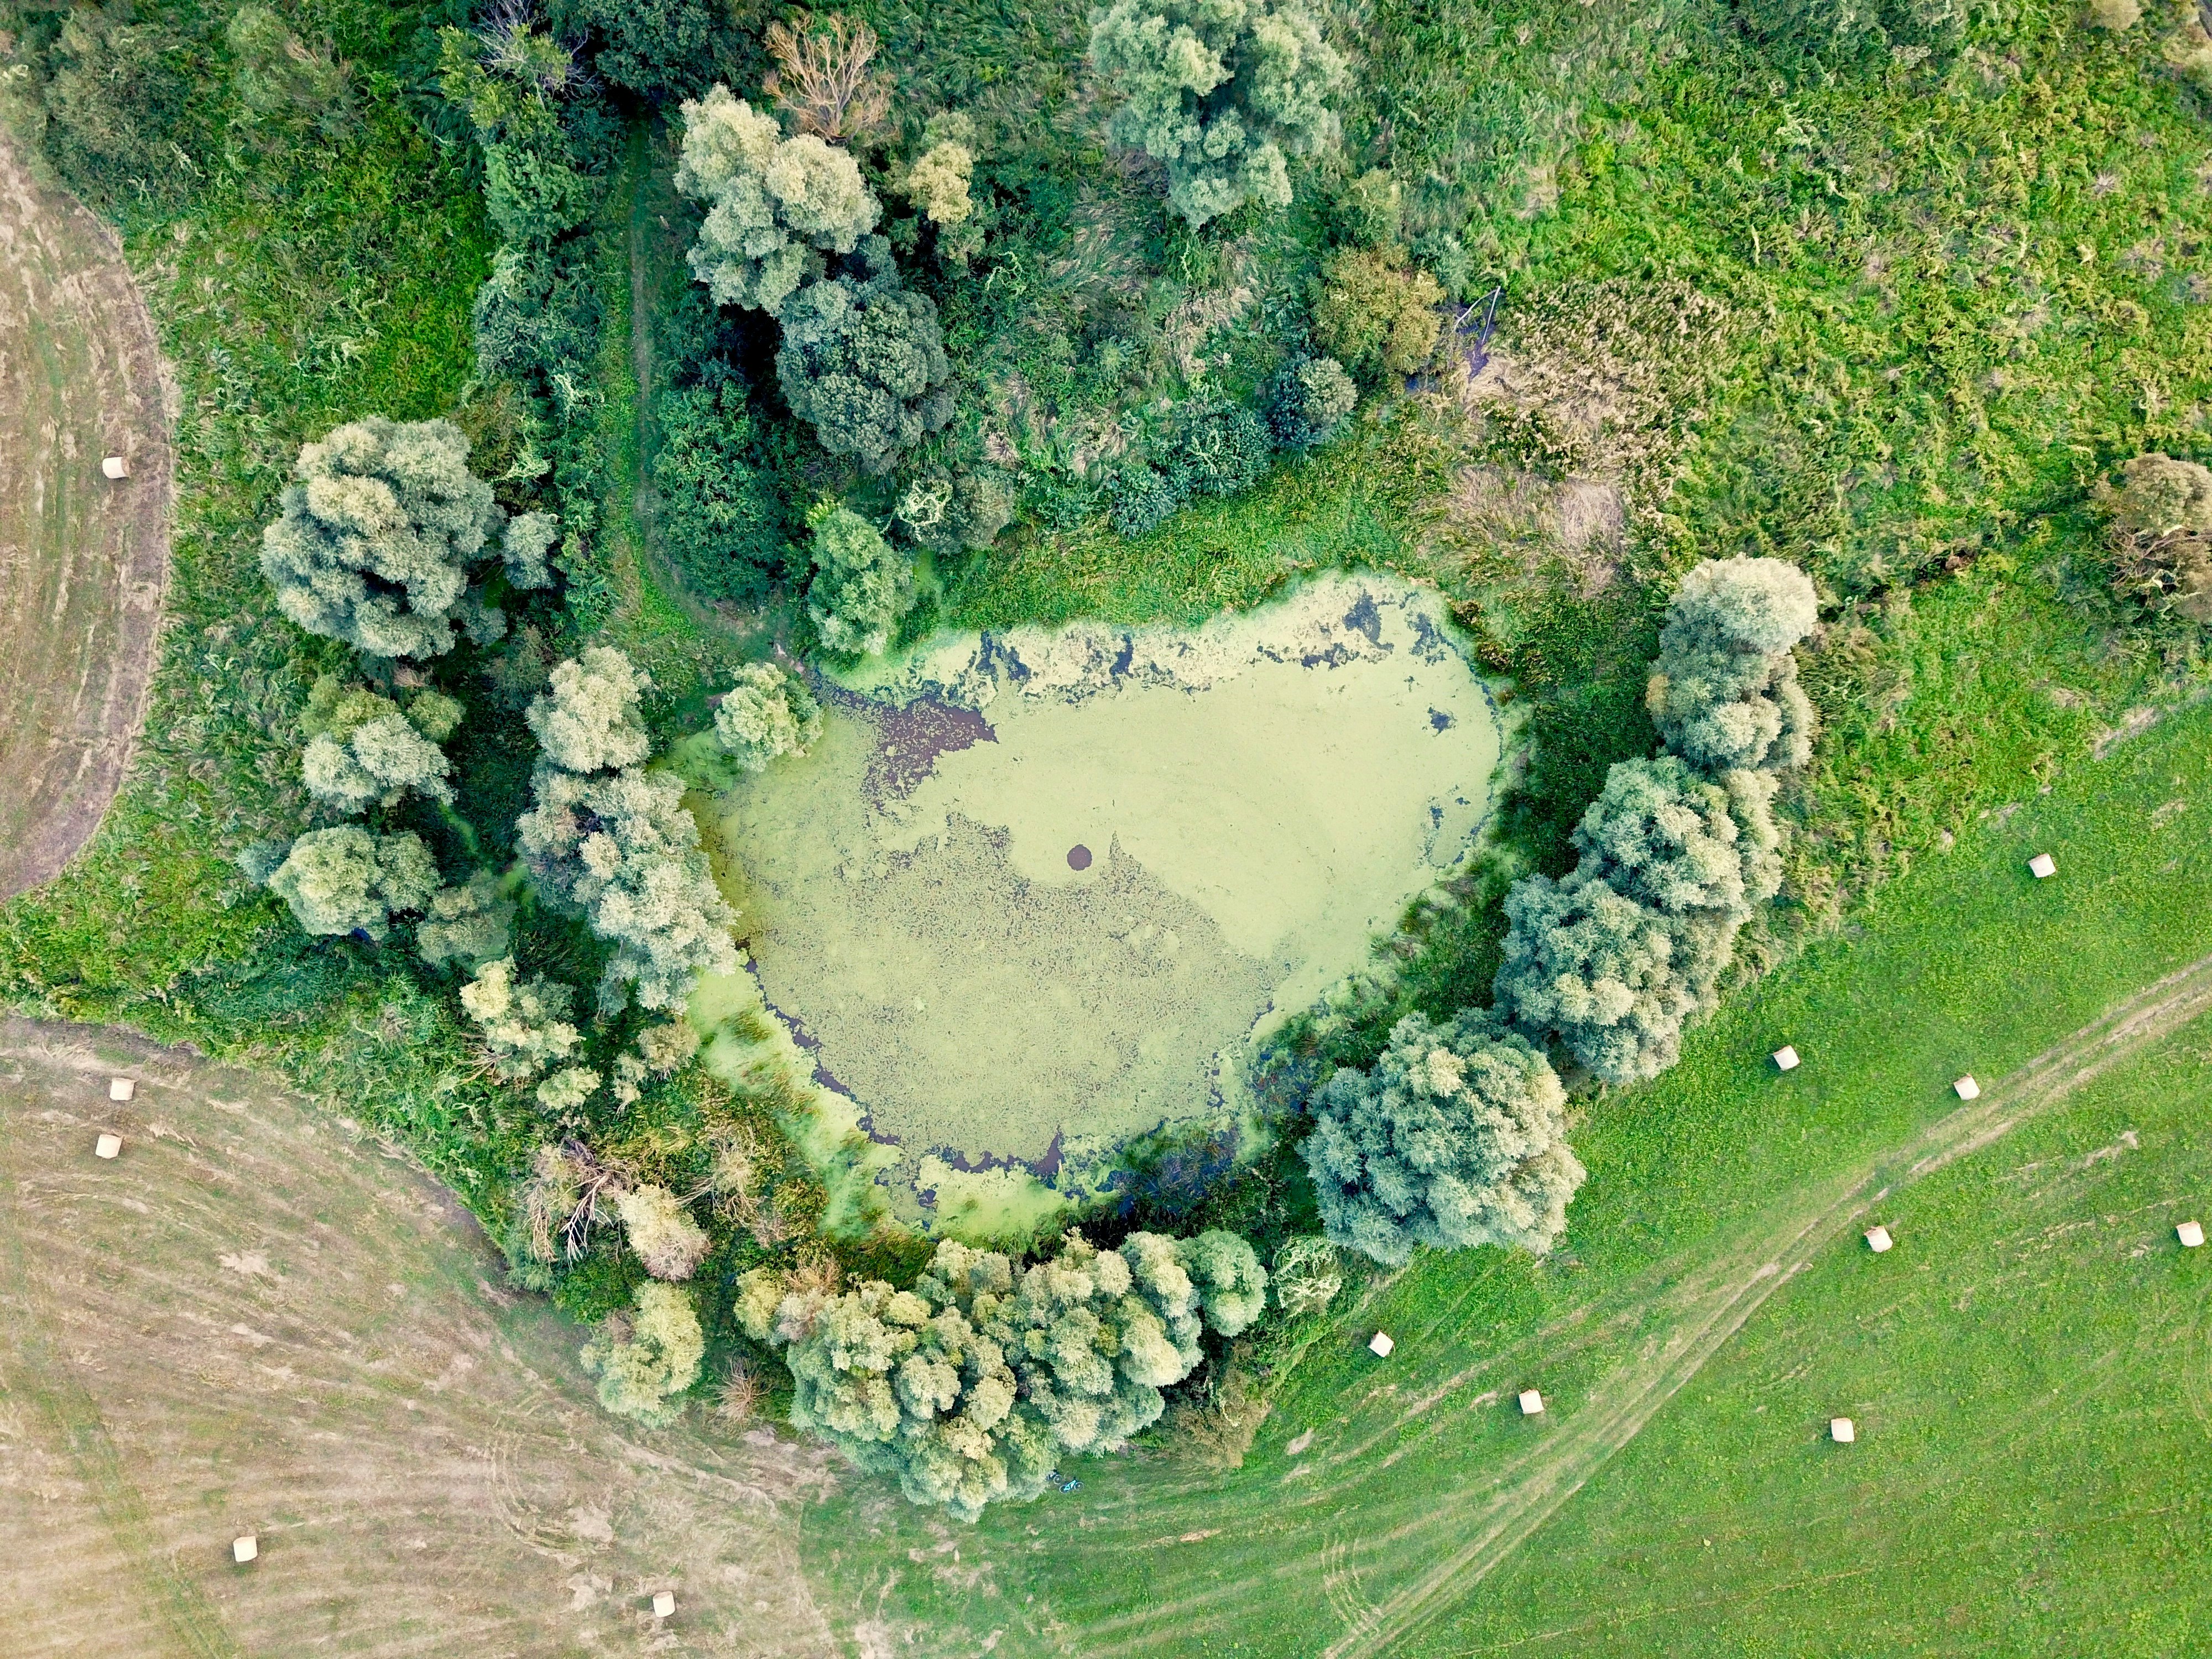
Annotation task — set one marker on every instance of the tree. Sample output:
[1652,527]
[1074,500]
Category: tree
[588,721]
[348,881]
[1375,313]
[2159,535]
[862,586]
[937,181]
[377,765]
[1222,91]
[1455,1138]
[1724,692]
[525,1022]
[863,361]
[646,1360]
[971,1386]
[766,714]
[379,535]
[473,923]
[1604,974]
[822,77]
[619,849]
[775,205]
[660,1229]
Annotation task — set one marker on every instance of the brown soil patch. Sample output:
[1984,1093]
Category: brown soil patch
[82,561]
[257,1319]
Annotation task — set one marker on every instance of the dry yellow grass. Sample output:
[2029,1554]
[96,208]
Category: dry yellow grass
[254,1321]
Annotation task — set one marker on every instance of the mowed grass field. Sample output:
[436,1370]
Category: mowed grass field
[259,1320]
[2029,1367]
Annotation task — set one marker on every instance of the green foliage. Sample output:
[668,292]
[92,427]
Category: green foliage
[645,1361]
[721,517]
[863,361]
[1845,30]
[123,118]
[1455,1138]
[775,205]
[588,720]
[862,584]
[1375,313]
[1724,692]
[971,1385]
[524,1023]
[766,713]
[377,537]
[278,77]
[1211,447]
[1222,91]
[938,182]
[377,765]
[346,880]
[966,511]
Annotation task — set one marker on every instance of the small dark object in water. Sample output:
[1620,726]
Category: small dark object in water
[1078,857]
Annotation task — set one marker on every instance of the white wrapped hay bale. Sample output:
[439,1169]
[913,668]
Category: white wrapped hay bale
[1379,1346]
[1532,1403]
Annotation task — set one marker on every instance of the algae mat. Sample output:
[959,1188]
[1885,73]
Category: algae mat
[1034,892]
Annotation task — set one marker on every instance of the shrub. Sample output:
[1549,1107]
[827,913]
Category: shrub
[473,923]
[971,1386]
[1306,1276]
[278,76]
[1222,91]
[646,1360]
[721,518]
[1374,313]
[938,182]
[1309,399]
[1142,500]
[348,881]
[2159,535]
[966,511]
[863,361]
[1456,1137]
[774,205]
[1214,447]
[377,537]
[659,49]
[667,1240]
[523,1022]
[862,584]
[765,715]
[1724,690]
[588,721]
[567,1089]
[619,849]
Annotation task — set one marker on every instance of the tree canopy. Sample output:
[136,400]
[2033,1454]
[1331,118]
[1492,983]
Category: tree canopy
[1456,1137]
[766,713]
[862,584]
[1724,690]
[644,1360]
[346,880]
[1222,91]
[863,361]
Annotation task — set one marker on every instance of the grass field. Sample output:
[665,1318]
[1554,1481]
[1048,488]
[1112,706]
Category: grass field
[258,1318]
[85,557]
[2056,1404]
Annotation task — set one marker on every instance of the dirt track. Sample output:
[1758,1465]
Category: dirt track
[252,1321]
[82,561]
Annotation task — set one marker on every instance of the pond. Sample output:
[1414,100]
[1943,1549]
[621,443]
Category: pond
[1035,892]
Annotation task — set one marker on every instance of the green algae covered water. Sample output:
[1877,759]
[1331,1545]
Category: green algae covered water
[1035,892]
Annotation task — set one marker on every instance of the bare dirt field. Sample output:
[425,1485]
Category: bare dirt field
[254,1321]
[82,558]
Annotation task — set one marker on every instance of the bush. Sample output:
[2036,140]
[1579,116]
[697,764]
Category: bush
[377,764]
[278,77]
[1214,447]
[473,923]
[588,721]
[1309,399]
[766,713]
[659,49]
[1456,1137]
[379,533]
[720,519]
[966,511]
[862,586]
[1374,313]
[523,1022]
[660,1229]
[863,361]
[2159,535]
[1724,692]
[646,1360]
[348,881]
[775,205]
[1222,91]
[972,1385]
